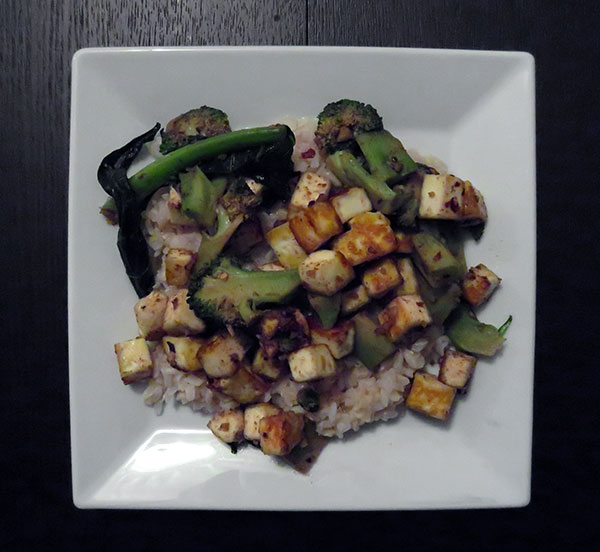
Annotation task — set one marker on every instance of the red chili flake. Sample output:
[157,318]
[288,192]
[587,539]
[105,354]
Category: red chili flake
[308,154]
[437,256]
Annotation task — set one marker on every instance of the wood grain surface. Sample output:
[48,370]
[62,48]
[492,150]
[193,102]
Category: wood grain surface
[38,39]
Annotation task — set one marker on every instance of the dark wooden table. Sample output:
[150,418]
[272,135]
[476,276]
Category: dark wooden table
[38,39]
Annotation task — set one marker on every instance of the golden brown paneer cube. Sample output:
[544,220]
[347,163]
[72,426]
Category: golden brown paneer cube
[325,272]
[280,433]
[339,339]
[370,237]
[182,352]
[252,417]
[178,266]
[403,314]
[404,243]
[228,425]
[456,368]
[380,278]
[289,252]
[354,299]
[430,396]
[310,188]
[315,225]
[149,313]
[243,387]
[351,202]
[266,367]
[479,284]
[311,363]
[135,362]
[473,204]
[410,284]
[222,355]
[180,318]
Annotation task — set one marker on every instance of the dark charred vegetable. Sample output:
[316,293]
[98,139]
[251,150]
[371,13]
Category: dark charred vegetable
[282,331]
[340,121]
[309,399]
[470,335]
[192,126]
[112,175]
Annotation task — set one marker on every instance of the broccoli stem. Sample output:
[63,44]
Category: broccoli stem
[147,180]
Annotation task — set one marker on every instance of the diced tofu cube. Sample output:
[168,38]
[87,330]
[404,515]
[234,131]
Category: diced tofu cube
[178,265]
[180,318]
[314,225]
[403,314]
[351,202]
[150,313]
[325,272]
[479,284]
[280,433]
[228,425]
[252,417]
[441,197]
[473,204]
[286,247]
[456,368]
[176,215]
[222,355]
[339,340]
[243,387]
[410,284]
[430,396]
[273,267]
[310,363]
[265,367]
[310,188]
[135,362]
[370,237]
[354,299]
[404,243]
[182,352]
[381,278]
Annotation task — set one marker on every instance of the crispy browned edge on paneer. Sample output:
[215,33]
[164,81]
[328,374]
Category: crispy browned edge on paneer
[280,433]
[430,396]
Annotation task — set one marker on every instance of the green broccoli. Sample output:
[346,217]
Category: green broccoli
[232,295]
[242,196]
[340,121]
[199,196]
[192,126]
[211,246]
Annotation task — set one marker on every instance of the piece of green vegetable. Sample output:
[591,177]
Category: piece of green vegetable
[327,308]
[199,196]
[370,347]
[502,329]
[435,261]
[470,335]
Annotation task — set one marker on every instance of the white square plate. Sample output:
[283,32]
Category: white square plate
[472,109]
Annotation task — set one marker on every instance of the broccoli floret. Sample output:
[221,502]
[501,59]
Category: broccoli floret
[242,196]
[199,196]
[192,126]
[232,295]
[339,121]
[211,246]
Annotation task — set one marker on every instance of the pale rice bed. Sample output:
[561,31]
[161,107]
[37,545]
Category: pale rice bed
[355,395]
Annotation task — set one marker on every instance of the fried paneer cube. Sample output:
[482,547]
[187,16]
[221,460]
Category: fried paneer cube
[222,355]
[339,339]
[243,387]
[252,417]
[289,252]
[310,188]
[403,314]
[479,284]
[370,237]
[228,425]
[430,396]
[351,202]
[325,272]
[456,368]
[354,299]
[280,433]
[178,266]
[149,314]
[315,225]
[135,362]
[473,204]
[380,278]
[265,366]
[182,352]
[410,284]
[179,318]
[311,363]
[441,197]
